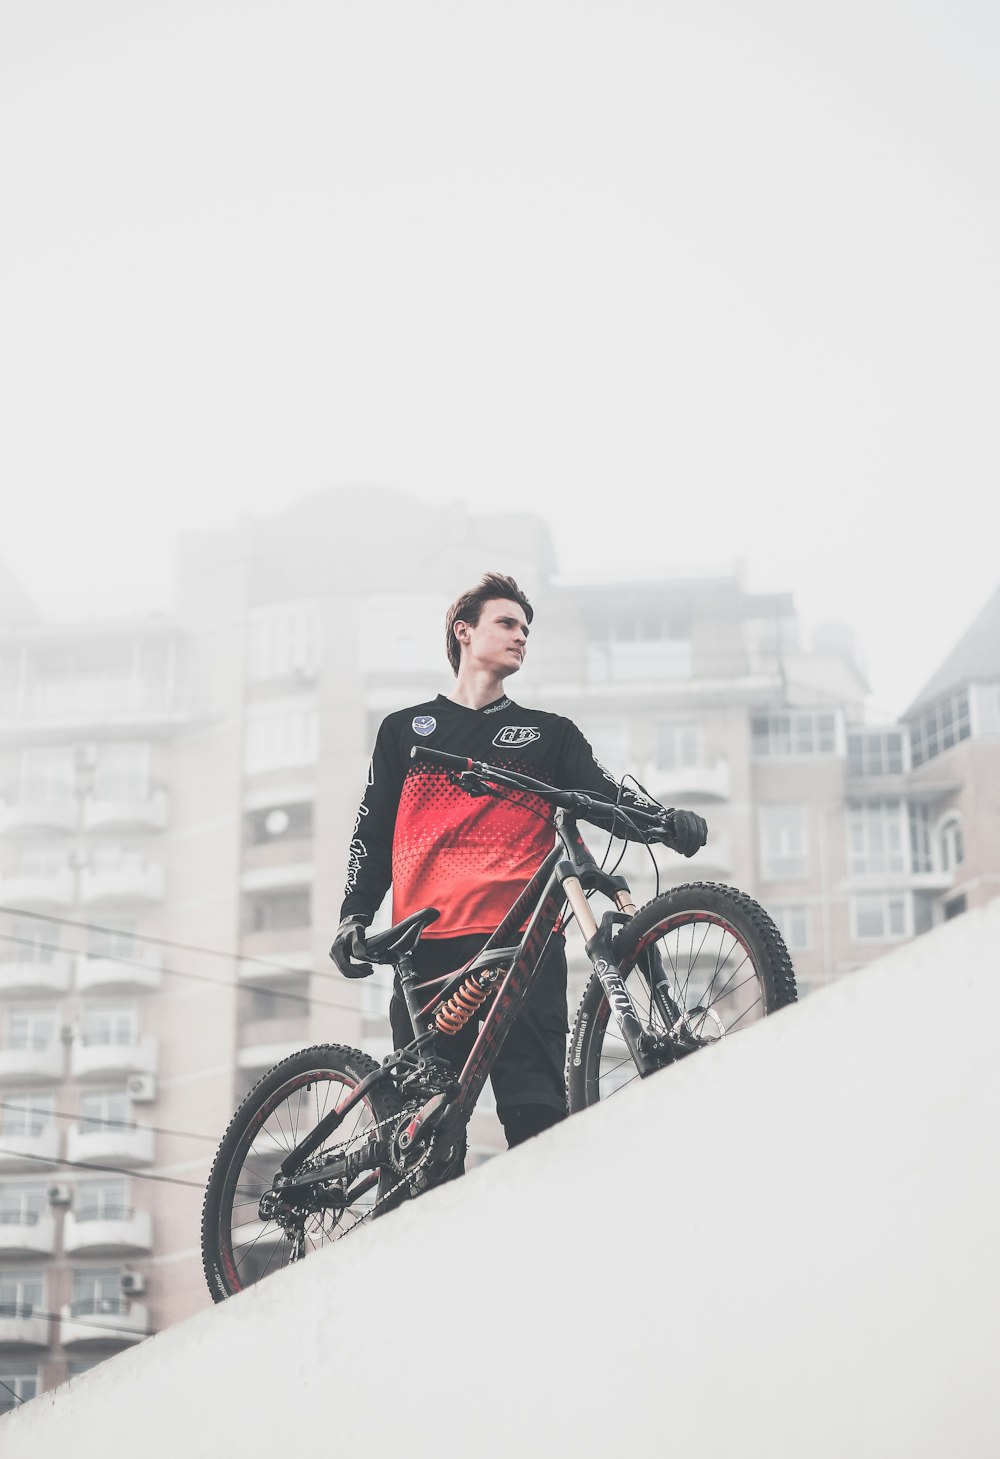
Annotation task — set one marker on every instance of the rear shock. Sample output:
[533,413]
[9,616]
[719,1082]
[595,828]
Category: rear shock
[466,1001]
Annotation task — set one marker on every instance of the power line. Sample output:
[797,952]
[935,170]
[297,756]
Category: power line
[109,1124]
[106,1169]
[191,977]
[84,1322]
[163,942]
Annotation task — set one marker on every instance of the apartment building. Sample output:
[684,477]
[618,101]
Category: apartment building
[177,797]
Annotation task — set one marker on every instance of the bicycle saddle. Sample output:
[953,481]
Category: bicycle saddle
[403,937]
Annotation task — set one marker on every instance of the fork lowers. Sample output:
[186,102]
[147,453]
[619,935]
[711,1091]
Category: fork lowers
[466,1001]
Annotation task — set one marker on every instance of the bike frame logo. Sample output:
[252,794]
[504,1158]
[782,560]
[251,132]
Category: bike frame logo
[617,993]
[516,736]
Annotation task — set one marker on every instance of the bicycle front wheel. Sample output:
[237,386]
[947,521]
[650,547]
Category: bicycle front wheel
[239,1245]
[700,962]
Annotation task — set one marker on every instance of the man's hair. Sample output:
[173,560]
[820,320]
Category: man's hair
[468,606]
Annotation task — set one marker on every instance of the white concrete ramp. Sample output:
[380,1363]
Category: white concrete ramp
[786,1246]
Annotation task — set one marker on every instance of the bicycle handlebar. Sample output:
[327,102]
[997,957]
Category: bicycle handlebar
[571,800]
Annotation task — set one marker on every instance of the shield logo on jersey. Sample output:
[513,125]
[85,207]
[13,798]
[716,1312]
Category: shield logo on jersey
[425,724]
[516,736]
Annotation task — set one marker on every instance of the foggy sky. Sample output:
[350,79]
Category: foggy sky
[700,283]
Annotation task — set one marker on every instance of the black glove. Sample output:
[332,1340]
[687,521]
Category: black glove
[685,831]
[348,948]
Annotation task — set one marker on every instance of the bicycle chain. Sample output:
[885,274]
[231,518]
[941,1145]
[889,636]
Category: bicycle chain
[380,1201]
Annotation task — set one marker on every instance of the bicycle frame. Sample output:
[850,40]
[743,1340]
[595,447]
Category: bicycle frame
[565,876]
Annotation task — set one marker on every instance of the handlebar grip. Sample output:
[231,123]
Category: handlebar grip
[424,752]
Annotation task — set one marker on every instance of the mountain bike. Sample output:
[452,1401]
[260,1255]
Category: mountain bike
[329,1139]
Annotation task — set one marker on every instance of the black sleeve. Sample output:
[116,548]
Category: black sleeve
[581,770]
[369,859]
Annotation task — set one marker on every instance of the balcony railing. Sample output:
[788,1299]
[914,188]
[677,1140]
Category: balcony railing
[103,1320]
[41,887]
[26,1233]
[43,1061]
[21,1326]
[115,1229]
[131,881]
[676,783]
[111,1142]
[30,971]
[96,1059]
[39,807]
[139,969]
[125,805]
[26,1150]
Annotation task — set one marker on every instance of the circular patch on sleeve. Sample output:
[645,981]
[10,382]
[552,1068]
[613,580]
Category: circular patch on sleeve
[424,724]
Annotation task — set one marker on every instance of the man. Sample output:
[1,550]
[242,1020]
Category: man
[470,856]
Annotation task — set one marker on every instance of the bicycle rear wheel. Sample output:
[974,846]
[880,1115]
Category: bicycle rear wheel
[239,1247]
[700,962]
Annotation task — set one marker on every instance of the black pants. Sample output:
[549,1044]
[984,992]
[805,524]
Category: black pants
[529,1075]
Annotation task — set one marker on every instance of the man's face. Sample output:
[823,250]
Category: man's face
[498,641]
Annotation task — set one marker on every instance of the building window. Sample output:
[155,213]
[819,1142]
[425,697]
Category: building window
[876,752]
[798,732]
[678,746]
[876,838]
[279,823]
[881,917]
[284,640]
[280,738]
[639,646]
[279,911]
[26,1114]
[102,1200]
[938,728]
[30,1028]
[22,1203]
[32,942]
[986,701]
[955,907]
[18,1384]
[793,922]
[951,843]
[97,1290]
[921,851]
[105,1109]
[784,850]
[48,776]
[115,942]
[118,1025]
[20,1292]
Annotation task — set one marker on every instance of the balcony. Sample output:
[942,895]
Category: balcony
[111,1144]
[26,1234]
[714,862]
[677,785]
[143,970]
[130,881]
[125,807]
[115,1232]
[114,1058]
[20,1327]
[38,808]
[47,1061]
[25,1151]
[103,1320]
[268,878]
[45,887]
[27,974]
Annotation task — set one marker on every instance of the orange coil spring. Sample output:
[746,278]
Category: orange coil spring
[460,1007]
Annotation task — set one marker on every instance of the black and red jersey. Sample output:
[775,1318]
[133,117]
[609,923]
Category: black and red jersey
[439,846]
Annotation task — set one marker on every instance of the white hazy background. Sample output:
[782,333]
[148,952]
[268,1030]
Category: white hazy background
[698,282]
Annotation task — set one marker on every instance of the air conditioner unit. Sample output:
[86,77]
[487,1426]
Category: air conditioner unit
[133,1284]
[141,1088]
[60,1195]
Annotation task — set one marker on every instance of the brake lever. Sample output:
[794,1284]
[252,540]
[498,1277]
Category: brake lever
[472,783]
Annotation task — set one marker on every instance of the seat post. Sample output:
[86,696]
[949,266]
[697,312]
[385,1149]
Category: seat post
[404,967]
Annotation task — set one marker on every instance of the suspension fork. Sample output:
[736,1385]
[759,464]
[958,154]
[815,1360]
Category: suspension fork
[598,944]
